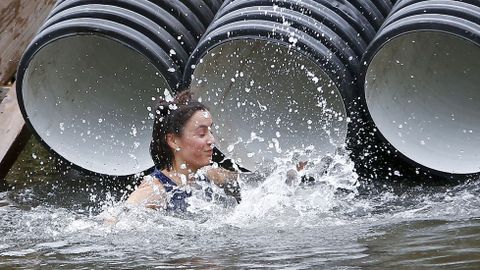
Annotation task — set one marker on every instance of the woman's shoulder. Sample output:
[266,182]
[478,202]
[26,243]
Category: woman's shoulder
[150,193]
[219,176]
[148,184]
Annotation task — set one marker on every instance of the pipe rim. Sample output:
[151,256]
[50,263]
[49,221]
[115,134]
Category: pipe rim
[384,6]
[234,30]
[440,7]
[214,5]
[201,10]
[327,16]
[228,129]
[128,18]
[184,14]
[147,9]
[300,21]
[370,11]
[435,23]
[400,4]
[353,16]
[99,27]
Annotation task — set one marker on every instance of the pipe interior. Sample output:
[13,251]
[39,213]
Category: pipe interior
[268,100]
[88,98]
[422,91]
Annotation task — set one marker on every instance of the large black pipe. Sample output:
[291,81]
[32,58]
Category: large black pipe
[84,87]
[159,15]
[440,7]
[274,88]
[87,83]
[127,17]
[353,16]
[184,14]
[384,6]
[421,85]
[311,8]
[403,3]
[254,75]
[178,9]
[201,10]
[369,10]
[299,21]
[214,5]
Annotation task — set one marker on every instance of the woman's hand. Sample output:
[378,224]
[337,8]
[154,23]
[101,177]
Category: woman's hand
[301,165]
[292,175]
[225,179]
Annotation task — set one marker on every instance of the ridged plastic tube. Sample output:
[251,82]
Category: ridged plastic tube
[422,85]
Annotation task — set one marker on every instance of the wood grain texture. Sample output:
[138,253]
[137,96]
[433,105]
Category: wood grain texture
[13,132]
[19,22]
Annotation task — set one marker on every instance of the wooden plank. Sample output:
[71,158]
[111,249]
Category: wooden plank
[19,22]
[13,132]
[3,92]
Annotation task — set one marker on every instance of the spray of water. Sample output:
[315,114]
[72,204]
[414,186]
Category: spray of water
[282,216]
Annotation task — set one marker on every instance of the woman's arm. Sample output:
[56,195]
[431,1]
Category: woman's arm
[220,176]
[150,193]
[225,179]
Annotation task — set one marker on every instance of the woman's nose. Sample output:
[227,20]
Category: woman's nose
[210,139]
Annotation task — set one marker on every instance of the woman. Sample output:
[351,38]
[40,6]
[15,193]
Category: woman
[182,144]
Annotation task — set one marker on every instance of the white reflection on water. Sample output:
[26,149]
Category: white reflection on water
[329,224]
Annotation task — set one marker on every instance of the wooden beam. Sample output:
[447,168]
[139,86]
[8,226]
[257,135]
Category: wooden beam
[19,22]
[13,133]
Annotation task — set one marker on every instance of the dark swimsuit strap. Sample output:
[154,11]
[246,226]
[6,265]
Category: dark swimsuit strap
[169,184]
[165,180]
[177,200]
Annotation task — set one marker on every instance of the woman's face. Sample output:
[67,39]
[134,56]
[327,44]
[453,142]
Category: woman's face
[195,143]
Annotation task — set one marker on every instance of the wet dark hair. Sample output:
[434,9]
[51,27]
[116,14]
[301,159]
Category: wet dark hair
[170,118]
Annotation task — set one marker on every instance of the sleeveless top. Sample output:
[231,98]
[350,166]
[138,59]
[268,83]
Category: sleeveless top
[178,196]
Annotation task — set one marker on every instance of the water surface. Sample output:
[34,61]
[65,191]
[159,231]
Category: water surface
[337,223]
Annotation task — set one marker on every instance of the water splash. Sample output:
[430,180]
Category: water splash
[326,222]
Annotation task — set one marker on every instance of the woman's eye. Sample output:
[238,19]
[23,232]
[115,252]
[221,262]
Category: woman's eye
[205,133]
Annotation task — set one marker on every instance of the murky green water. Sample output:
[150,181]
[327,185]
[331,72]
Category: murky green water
[56,221]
